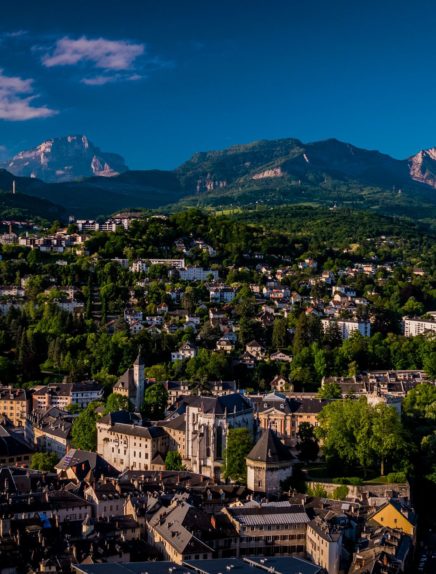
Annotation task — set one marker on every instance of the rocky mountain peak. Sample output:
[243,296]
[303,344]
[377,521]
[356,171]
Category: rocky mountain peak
[65,159]
[422,166]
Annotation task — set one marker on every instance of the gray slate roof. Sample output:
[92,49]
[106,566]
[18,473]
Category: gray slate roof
[269,449]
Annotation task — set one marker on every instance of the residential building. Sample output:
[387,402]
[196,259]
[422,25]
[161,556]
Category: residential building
[177,389]
[186,351]
[324,544]
[79,465]
[181,532]
[176,431]
[281,357]
[106,501]
[348,326]
[50,431]
[255,349]
[382,550]
[139,266]
[269,528]
[13,450]
[389,384]
[14,404]
[225,345]
[396,514]
[414,326]
[221,294]
[280,384]
[175,263]
[197,274]
[63,394]
[126,445]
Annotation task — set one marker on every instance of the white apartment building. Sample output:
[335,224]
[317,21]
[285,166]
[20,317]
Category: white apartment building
[414,326]
[197,274]
[139,266]
[221,294]
[348,326]
[175,263]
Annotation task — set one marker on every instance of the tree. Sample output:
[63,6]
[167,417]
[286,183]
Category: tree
[340,492]
[330,391]
[319,361]
[155,401]
[84,430]
[116,402]
[355,432]
[420,400]
[45,461]
[239,444]
[387,434]
[279,333]
[308,330]
[158,372]
[173,460]
[308,446]
[317,490]
[332,336]
[413,307]
[429,361]
[73,408]
[344,428]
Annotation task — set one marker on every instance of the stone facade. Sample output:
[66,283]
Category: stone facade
[208,420]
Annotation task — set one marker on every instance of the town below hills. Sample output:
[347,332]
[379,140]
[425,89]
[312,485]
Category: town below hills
[185,388]
[72,176]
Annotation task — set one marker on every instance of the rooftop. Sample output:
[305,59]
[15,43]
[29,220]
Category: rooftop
[269,449]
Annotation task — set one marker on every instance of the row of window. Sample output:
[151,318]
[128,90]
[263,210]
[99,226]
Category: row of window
[274,538]
[134,453]
[272,527]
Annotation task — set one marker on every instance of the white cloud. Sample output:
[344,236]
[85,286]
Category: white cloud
[102,80]
[16,97]
[102,53]
[14,34]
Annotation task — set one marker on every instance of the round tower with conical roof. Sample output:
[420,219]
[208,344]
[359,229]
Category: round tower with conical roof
[268,464]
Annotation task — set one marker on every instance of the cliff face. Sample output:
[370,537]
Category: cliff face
[422,167]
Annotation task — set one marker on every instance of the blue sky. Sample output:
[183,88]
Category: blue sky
[158,80]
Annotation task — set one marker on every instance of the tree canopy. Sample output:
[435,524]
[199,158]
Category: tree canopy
[356,433]
[44,461]
[84,430]
[155,401]
[239,444]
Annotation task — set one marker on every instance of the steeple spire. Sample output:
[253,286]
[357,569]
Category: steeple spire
[139,360]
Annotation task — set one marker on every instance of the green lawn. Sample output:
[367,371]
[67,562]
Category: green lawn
[319,471]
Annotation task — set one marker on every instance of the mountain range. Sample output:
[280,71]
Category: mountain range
[75,174]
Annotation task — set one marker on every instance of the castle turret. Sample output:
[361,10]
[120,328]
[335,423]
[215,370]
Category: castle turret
[268,464]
